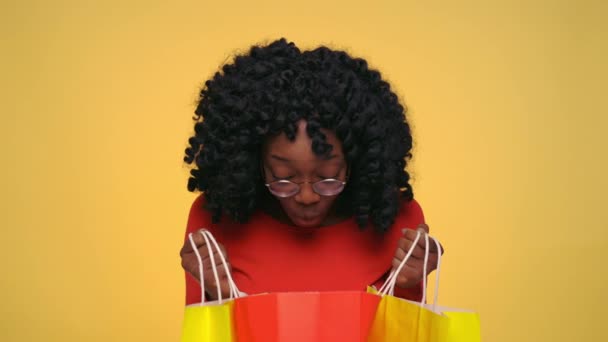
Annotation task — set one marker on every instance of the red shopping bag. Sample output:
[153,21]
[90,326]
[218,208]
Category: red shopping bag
[305,316]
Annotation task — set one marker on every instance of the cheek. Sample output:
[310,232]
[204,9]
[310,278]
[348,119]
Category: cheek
[327,202]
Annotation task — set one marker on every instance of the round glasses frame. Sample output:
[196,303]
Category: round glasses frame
[316,187]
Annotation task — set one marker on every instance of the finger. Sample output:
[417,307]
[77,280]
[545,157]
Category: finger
[209,275]
[415,263]
[190,265]
[408,277]
[216,254]
[423,227]
[404,246]
[225,288]
[411,273]
[219,263]
[432,265]
[199,241]
[441,248]
[398,259]
[211,285]
[402,281]
[395,263]
[190,261]
[400,254]
[223,250]
[411,235]
[204,252]
[217,258]
[432,246]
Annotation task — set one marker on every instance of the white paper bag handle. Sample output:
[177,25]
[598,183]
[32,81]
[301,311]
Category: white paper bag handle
[234,291]
[200,267]
[209,239]
[389,284]
[425,268]
[437,273]
[213,267]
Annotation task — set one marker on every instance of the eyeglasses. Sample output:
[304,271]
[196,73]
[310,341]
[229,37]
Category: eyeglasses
[327,187]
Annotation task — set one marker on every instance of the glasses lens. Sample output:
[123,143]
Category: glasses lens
[283,188]
[328,187]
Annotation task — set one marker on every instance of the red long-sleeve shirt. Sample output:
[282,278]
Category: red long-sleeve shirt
[270,256]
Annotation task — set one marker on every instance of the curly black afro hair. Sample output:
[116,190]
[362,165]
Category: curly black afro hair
[267,91]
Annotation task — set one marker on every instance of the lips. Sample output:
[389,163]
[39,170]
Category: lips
[307,217]
[306,221]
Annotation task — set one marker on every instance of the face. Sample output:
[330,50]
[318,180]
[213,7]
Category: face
[295,161]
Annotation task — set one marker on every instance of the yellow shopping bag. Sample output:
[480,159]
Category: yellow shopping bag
[210,321]
[403,320]
[399,319]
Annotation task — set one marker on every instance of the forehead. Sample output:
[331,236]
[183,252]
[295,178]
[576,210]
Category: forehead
[301,147]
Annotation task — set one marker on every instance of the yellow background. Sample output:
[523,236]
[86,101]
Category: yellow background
[507,100]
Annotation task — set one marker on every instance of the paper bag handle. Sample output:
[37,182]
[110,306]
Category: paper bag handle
[234,291]
[209,240]
[389,284]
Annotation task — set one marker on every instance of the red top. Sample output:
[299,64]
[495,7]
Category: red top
[270,256]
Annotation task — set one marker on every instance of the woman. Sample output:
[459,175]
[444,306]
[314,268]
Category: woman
[300,157]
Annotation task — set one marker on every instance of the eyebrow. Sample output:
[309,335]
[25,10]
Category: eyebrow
[274,156]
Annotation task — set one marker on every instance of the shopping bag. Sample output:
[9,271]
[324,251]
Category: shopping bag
[398,319]
[305,316]
[210,321]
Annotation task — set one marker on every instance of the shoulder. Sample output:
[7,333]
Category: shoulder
[410,214]
[413,208]
[198,216]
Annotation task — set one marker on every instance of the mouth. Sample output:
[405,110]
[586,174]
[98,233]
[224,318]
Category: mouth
[306,220]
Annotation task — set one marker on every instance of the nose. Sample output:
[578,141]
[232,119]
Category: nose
[307,196]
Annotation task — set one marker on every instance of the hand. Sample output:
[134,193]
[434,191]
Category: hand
[190,265]
[411,273]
